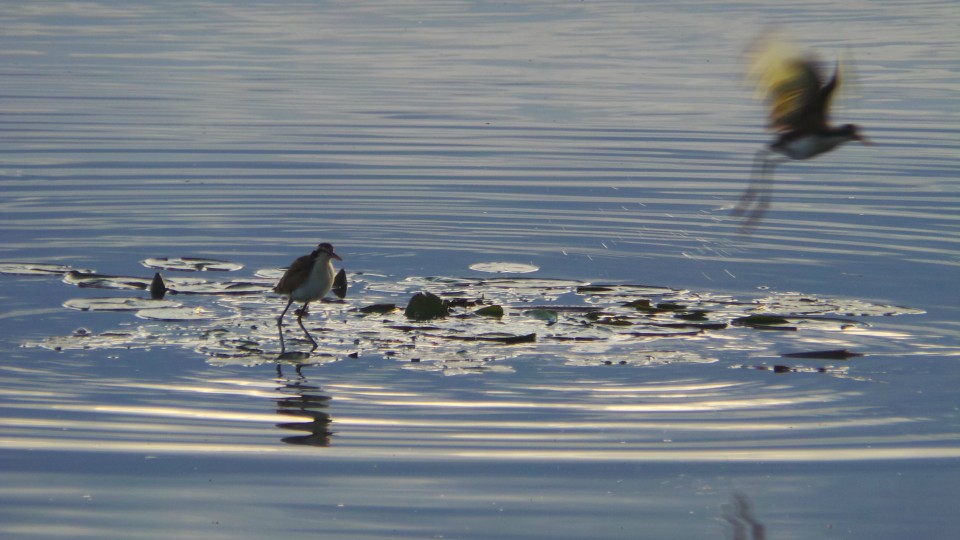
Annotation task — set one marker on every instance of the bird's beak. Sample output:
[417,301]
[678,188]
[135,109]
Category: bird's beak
[865,140]
[335,256]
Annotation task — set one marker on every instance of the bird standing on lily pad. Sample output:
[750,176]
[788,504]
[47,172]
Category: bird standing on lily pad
[309,278]
[799,96]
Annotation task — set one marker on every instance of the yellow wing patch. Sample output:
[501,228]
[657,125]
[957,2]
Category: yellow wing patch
[787,79]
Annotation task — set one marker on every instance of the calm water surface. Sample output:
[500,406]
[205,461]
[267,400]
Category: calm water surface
[598,143]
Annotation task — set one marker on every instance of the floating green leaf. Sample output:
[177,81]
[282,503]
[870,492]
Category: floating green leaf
[640,304]
[759,320]
[490,311]
[834,354]
[497,337]
[695,315]
[586,289]
[425,306]
[378,308]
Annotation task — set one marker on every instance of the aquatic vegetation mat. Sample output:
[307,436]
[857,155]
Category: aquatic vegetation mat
[467,325]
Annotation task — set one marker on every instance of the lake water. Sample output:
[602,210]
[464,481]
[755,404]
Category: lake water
[596,147]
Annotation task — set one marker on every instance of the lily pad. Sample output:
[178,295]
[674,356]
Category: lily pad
[798,303]
[191,264]
[117,304]
[530,285]
[103,281]
[695,315]
[834,354]
[37,269]
[183,313]
[497,337]
[759,320]
[588,289]
[378,309]
[218,287]
[273,274]
[504,268]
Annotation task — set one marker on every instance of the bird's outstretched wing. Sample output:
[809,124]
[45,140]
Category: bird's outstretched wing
[294,275]
[792,84]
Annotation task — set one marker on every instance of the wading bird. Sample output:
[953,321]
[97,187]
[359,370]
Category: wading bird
[309,278]
[799,100]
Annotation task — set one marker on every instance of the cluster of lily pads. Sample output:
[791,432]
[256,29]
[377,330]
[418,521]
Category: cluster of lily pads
[451,324]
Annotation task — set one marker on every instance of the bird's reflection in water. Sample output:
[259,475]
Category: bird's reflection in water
[308,404]
[739,515]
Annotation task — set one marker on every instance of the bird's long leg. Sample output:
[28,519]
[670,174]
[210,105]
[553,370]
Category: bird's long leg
[300,313]
[283,347]
[755,200]
[749,195]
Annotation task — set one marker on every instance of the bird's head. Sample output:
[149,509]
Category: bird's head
[327,249]
[852,133]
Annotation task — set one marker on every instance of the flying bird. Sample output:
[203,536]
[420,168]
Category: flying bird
[799,97]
